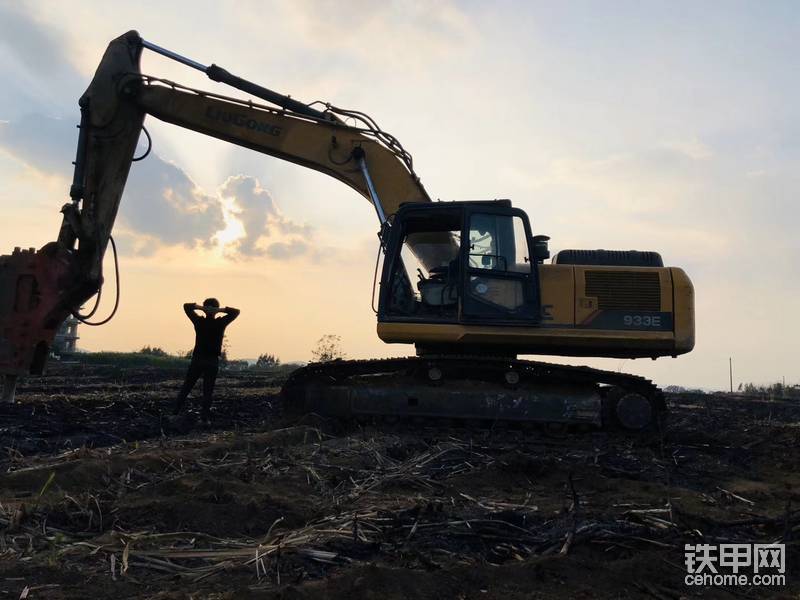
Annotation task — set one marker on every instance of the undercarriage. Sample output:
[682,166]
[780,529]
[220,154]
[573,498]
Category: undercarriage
[477,389]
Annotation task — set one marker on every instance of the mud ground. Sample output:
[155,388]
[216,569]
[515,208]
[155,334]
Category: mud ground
[103,496]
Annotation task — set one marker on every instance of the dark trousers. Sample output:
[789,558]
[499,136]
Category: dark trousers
[206,368]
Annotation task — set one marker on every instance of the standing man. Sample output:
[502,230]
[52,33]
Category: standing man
[207,348]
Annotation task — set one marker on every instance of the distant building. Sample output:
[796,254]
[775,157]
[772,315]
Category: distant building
[67,336]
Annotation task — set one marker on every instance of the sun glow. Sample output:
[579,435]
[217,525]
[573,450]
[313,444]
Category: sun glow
[234,230]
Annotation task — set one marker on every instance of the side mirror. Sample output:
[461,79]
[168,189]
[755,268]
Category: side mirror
[540,249]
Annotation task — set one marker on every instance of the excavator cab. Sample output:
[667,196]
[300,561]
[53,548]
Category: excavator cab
[460,263]
[469,278]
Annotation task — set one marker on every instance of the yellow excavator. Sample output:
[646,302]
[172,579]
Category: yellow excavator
[466,282]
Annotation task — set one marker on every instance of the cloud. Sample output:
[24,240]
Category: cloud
[35,74]
[131,244]
[405,34]
[160,199]
[411,37]
[255,209]
[44,143]
[162,205]
[287,250]
[252,206]
[692,148]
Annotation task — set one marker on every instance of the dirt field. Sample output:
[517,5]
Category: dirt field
[101,496]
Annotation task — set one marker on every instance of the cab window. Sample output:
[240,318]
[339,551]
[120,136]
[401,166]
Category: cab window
[498,243]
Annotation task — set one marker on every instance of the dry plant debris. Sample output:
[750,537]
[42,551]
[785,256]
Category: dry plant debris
[103,496]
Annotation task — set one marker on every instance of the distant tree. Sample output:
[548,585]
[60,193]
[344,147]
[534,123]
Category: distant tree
[752,388]
[223,357]
[328,348]
[267,361]
[773,390]
[153,351]
[675,389]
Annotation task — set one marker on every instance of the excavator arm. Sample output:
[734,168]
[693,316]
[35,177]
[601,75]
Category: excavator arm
[39,289]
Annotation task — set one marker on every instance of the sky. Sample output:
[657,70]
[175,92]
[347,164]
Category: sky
[661,126]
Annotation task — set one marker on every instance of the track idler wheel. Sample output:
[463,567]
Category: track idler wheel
[628,410]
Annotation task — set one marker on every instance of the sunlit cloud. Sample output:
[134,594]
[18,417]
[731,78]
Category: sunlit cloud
[254,213]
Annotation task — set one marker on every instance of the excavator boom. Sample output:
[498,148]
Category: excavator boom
[329,147]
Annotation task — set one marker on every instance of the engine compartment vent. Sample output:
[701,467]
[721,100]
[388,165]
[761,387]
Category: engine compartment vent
[610,258]
[625,290]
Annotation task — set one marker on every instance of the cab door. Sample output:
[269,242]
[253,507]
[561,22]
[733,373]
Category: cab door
[500,279]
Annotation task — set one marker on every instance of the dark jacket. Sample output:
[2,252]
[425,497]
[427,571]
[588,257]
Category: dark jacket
[208,331]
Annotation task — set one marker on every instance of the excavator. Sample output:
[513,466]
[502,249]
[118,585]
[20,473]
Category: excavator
[467,282]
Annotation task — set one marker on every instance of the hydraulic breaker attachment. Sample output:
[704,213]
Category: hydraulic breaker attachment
[32,306]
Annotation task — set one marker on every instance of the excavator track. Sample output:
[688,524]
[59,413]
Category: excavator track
[479,389]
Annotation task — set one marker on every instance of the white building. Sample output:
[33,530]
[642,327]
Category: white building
[67,336]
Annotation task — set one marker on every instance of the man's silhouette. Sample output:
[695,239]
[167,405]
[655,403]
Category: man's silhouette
[207,348]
